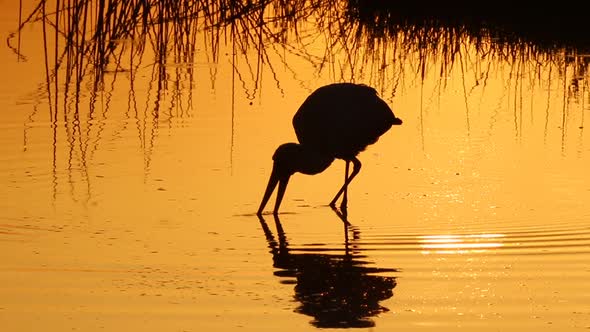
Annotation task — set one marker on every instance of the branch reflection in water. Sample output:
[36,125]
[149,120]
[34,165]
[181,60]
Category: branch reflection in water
[337,290]
[96,50]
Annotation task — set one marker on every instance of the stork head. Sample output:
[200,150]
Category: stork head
[290,158]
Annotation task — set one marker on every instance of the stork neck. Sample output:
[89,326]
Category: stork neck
[312,161]
[292,157]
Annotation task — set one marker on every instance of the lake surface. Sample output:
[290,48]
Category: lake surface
[133,207]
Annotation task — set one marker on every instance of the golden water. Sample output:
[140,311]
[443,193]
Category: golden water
[473,214]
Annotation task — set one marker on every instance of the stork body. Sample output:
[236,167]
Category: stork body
[336,121]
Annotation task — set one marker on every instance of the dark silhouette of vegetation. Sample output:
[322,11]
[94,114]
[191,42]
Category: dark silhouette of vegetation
[95,37]
[546,26]
[90,45]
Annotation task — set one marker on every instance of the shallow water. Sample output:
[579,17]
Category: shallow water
[473,214]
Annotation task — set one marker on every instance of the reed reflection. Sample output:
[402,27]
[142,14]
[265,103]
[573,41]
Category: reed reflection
[337,290]
[101,46]
[93,38]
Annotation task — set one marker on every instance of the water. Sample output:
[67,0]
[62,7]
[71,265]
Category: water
[120,215]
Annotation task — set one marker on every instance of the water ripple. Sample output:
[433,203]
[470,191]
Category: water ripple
[532,241]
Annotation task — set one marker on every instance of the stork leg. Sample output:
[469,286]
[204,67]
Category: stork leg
[356,167]
[344,202]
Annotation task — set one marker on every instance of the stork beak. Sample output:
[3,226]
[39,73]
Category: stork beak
[275,178]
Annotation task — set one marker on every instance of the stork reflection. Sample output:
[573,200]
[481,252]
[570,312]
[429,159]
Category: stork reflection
[337,290]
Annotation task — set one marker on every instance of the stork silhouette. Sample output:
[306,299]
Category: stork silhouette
[335,121]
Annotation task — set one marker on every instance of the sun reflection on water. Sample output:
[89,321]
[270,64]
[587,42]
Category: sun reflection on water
[459,244]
